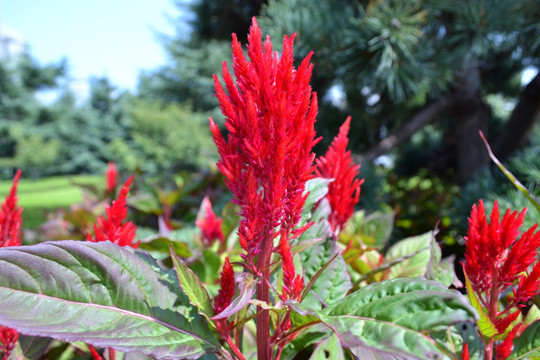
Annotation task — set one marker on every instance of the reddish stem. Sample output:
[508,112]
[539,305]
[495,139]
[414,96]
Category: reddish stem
[264,352]
[492,311]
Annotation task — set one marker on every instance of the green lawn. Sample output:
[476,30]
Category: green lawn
[38,196]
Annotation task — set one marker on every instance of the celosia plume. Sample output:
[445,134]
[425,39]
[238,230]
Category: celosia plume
[112,227]
[226,291]
[209,224]
[344,191]
[267,158]
[292,284]
[10,217]
[111,176]
[496,253]
[8,341]
[10,235]
[497,257]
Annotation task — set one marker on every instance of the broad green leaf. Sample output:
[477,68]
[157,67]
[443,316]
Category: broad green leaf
[375,339]
[411,266]
[317,188]
[161,244]
[373,230]
[328,349]
[334,282]
[417,304]
[486,326]
[527,345]
[192,286]
[102,294]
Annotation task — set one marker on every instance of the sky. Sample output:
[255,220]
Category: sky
[113,38]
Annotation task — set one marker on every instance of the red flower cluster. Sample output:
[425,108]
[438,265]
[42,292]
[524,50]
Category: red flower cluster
[209,224]
[267,158]
[344,191]
[111,176]
[112,228]
[10,235]
[497,256]
[226,292]
[10,217]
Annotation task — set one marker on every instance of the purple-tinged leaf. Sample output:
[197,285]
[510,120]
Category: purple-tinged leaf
[102,294]
[192,286]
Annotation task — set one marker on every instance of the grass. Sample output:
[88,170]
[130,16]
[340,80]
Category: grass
[38,196]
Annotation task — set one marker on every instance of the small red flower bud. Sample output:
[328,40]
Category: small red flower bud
[112,228]
[10,217]
[344,191]
[111,176]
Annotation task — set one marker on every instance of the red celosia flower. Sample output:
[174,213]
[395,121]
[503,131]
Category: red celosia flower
[292,284]
[10,217]
[111,176]
[497,257]
[112,228]
[8,340]
[226,292]
[10,235]
[209,223]
[344,191]
[267,158]
[465,352]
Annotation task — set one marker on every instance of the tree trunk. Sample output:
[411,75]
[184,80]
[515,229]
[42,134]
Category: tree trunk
[470,115]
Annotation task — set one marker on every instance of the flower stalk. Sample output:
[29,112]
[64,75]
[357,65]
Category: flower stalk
[267,157]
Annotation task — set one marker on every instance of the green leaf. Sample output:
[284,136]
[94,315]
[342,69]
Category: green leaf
[527,345]
[374,230]
[375,339]
[417,304]
[410,266]
[328,349]
[386,319]
[102,294]
[486,326]
[161,244]
[318,188]
[334,282]
[192,286]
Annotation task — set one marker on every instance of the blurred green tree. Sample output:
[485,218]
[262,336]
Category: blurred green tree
[395,66]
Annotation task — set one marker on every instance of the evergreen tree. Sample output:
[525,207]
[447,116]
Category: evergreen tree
[400,68]
[405,64]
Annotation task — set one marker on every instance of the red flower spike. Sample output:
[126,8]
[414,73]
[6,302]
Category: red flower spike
[209,224]
[10,217]
[498,257]
[504,349]
[292,284]
[267,157]
[8,341]
[494,252]
[112,228]
[95,354]
[111,176]
[344,191]
[226,292]
[465,352]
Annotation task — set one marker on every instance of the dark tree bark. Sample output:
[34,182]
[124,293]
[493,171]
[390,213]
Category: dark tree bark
[470,115]
[429,114]
[518,128]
